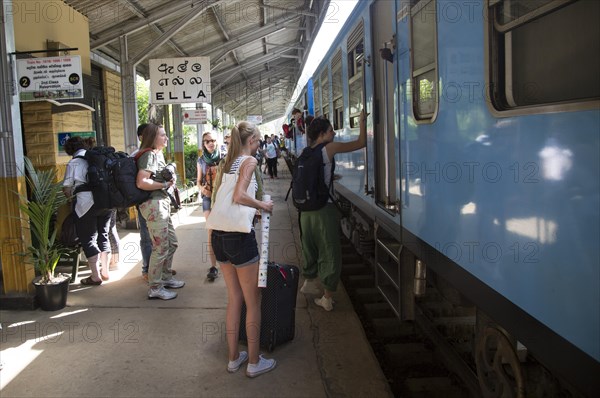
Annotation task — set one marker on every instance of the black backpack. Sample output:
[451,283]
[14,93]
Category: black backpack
[309,190]
[111,178]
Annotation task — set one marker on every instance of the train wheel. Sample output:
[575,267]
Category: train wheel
[498,367]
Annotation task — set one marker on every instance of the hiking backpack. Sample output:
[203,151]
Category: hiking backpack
[308,187]
[111,177]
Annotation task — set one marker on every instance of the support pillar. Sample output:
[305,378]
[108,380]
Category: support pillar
[178,149]
[16,273]
[130,116]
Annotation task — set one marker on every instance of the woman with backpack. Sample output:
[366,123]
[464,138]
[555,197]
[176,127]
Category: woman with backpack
[92,223]
[207,172]
[321,250]
[154,176]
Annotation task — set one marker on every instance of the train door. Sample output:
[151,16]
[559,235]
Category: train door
[383,109]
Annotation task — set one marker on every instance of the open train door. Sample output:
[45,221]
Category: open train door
[384,110]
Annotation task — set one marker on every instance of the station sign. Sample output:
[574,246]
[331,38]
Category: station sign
[195,116]
[49,78]
[180,80]
[255,119]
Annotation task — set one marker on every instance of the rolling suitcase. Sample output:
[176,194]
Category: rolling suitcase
[278,307]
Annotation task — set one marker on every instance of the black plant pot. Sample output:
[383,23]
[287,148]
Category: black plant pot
[52,297]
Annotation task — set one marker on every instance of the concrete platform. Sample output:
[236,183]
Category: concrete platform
[111,341]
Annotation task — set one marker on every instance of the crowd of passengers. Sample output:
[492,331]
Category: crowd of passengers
[236,253]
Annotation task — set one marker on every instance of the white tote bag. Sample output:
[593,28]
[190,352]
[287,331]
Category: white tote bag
[226,215]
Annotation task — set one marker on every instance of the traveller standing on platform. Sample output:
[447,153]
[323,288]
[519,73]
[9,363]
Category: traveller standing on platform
[92,224]
[207,173]
[157,213]
[145,241]
[271,155]
[321,250]
[237,253]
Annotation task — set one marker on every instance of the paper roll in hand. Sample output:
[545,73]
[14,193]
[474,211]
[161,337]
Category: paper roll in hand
[264,246]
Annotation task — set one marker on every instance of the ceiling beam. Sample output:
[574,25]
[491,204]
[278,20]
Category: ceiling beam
[140,14]
[249,64]
[220,52]
[176,27]
[220,23]
[290,10]
[127,27]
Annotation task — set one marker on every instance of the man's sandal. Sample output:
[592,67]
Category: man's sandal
[90,282]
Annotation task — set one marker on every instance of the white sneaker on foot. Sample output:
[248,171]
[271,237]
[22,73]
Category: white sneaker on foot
[310,287]
[263,366]
[161,293]
[325,302]
[233,366]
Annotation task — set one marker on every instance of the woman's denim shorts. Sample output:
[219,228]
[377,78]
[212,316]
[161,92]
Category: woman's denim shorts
[206,203]
[238,248]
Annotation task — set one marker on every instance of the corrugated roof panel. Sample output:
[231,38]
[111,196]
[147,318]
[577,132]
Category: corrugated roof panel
[256,42]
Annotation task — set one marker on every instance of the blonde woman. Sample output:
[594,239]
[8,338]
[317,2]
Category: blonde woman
[157,213]
[207,173]
[237,253]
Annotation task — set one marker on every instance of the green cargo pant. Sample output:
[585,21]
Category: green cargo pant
[321,248]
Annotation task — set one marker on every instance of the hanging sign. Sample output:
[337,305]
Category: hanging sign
[49,78]
[180,80]
[195,116]
[255,119]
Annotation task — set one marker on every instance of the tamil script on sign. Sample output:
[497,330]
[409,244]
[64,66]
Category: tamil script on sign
[180,80]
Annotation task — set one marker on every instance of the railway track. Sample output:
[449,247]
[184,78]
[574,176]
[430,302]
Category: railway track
[414,355]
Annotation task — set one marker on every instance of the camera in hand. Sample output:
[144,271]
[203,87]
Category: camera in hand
[168,172]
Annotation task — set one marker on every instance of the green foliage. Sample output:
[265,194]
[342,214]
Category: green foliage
[190,156]
[142,92]
[216,123]
[46,198]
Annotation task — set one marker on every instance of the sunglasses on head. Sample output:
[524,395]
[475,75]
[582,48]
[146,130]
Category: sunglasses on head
[209,141]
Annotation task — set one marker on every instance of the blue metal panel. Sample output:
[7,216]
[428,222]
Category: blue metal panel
[515,201]
[310,97]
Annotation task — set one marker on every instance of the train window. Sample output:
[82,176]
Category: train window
[355,73]
[337,90]
[543,52]
[325,93]
[424,59]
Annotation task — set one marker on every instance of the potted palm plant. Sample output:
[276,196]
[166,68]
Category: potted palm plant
[45,197]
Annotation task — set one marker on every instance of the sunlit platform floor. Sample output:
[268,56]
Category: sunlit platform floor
[111,341]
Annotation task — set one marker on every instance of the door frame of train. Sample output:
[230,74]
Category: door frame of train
[385,119]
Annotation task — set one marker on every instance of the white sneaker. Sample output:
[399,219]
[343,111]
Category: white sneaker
[263,366]
[161,293]
[173,283]
[326,303]
[233,366]
[310,287]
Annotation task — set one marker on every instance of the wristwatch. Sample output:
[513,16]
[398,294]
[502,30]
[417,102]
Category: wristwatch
[165,185]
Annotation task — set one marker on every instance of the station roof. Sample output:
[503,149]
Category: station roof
[257,48]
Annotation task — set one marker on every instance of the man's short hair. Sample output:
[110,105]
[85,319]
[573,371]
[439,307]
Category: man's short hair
[140,130]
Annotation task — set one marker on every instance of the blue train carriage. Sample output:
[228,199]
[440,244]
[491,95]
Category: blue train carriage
[481,171]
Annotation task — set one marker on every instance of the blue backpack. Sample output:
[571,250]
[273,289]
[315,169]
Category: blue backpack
[308,187]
